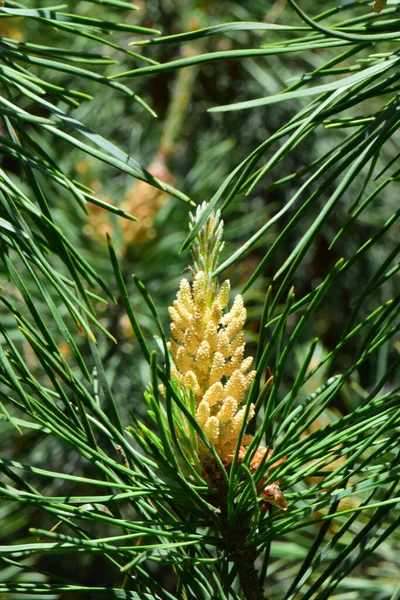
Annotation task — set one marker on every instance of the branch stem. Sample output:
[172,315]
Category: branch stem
[250,583]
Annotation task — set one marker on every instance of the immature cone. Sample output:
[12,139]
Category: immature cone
[207,348]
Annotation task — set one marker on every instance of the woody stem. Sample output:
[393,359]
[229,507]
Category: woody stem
[250,583]
[243,556]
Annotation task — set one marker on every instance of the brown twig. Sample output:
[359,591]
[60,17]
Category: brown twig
[234,542]
[244,559]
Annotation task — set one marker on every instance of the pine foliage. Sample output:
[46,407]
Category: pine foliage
[285,120]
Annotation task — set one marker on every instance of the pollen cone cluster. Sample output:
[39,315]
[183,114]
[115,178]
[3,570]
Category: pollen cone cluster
[207,348]
[143,200]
